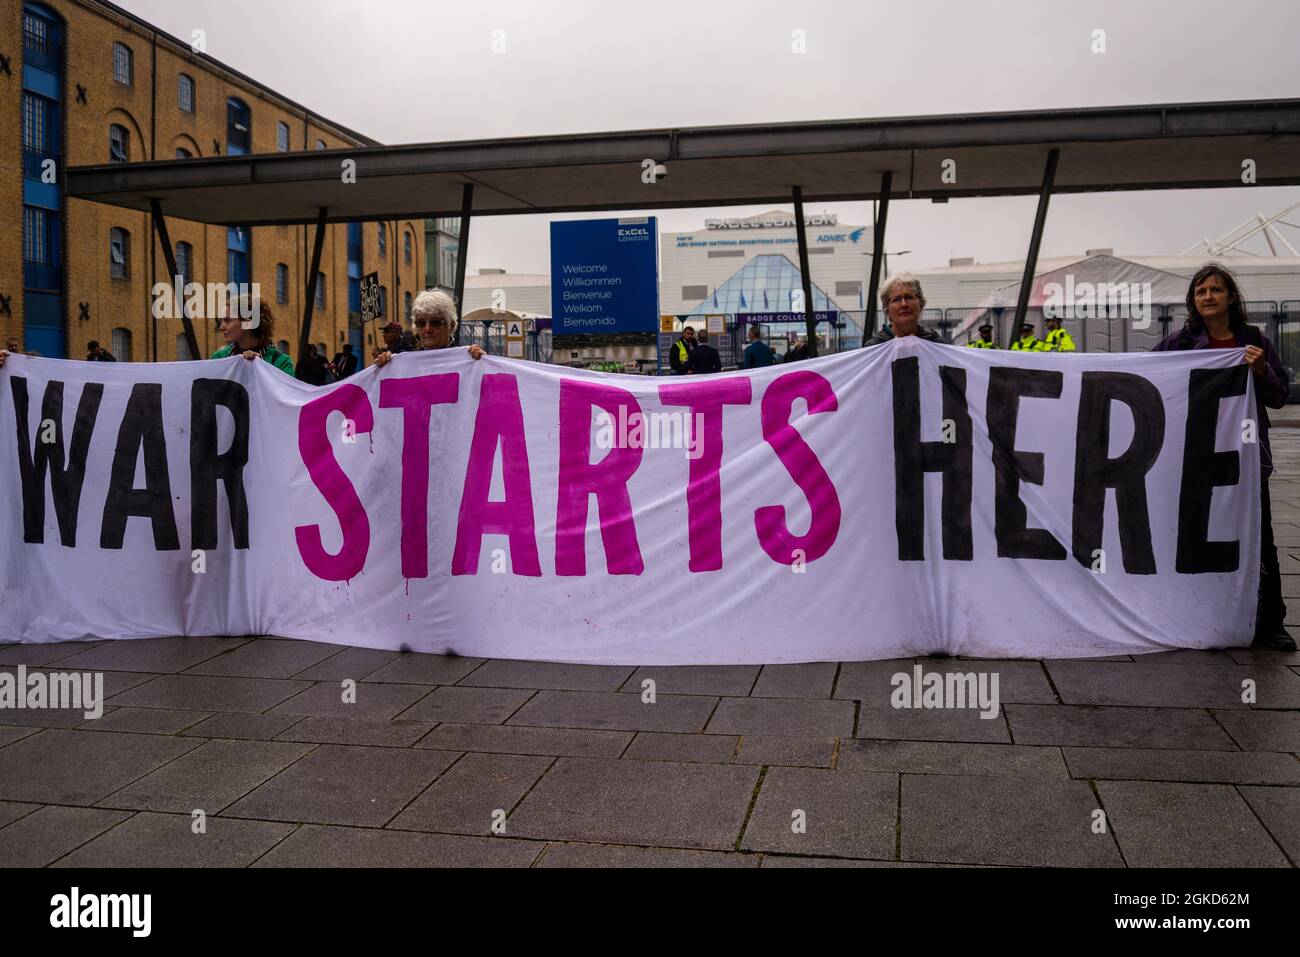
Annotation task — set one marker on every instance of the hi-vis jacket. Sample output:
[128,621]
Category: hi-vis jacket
[1058,340]
[1028,344]
[981,344]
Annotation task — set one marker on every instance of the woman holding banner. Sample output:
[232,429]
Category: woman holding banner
[433,313]
[253,340]
[1216,319]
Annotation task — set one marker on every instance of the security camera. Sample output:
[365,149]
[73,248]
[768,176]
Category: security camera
[661,172]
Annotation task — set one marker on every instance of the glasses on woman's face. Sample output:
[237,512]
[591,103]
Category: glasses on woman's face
[905,297]
[431,323]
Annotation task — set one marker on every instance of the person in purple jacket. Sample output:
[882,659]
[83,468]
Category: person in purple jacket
[1216,319]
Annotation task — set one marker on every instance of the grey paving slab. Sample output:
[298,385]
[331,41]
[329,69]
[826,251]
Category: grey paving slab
[255,727]
[942,757]
[314,846]
[980,819]
[169,840]
[871,682]
[370,701]
[420,669]
[354,663]
[822,812]
[1279,810]
[1108,727]
[468,705]
[42,837]
[1182,656]
[209,778]
[474,794]
[337,784]
[791,750]
[1262,730]
[59,766]
[1263,656]
[8,735]
[649,803]
[920,724]
[784,860]
[328,729]
[35,655]
[665,746]
[1018,680]
[1157,764]
[146,720]
[798,716]
[1164,686]
[209,693]
[13,810]
[695,679]
[812,680]
[611,710]
[1274,686]
[154,655]
[503,673]
[266,658]
[506,739]
[1186,825]
[616,855]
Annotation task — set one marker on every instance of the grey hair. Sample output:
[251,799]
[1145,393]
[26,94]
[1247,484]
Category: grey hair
[434,303]
[902,279]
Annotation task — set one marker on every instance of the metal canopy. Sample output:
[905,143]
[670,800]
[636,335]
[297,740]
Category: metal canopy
[996,154]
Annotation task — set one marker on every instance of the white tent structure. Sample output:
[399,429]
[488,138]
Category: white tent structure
[1111,304]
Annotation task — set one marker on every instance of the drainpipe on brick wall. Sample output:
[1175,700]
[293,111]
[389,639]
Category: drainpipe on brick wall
[153,232]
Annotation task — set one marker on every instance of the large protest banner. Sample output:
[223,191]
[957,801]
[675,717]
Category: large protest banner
[894,501]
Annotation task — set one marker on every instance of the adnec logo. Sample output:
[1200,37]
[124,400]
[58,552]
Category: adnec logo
[852,237]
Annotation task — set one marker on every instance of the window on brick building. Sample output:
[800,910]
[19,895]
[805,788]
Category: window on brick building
[119,253]
[383,241]
[123,70]
[282,136]
[182,348]
[122,345]
[406,247]
[239,127]
[281,282]
[185,93]
[183,154]
[119,144]
[185,263]
[320,291]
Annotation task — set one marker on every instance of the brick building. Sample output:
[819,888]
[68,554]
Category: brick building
[82,82]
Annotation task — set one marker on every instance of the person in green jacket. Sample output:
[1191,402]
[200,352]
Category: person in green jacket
[251,337]
[1057,339]
[1027,342]
[985,341]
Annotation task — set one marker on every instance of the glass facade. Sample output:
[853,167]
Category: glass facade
[764,284]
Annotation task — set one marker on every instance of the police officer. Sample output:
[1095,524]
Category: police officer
[1057,339]
[985,341]
[1027,342]
[679,356]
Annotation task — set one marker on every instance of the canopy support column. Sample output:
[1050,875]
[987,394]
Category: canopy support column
[805,273]
[462,247]
[313,277]
[169,256]
[877,256]
[1031,261]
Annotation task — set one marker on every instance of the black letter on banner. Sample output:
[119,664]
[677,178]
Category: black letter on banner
[207,467]
[913,458]
[1094,471]
[65,483]
[1007,386]
[142,425]
[1203,469]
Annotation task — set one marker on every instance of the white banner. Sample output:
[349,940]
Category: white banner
[894,501]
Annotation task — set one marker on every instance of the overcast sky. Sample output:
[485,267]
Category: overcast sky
[405,71]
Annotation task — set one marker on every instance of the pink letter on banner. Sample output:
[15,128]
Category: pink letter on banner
[804,468]
[608,479]
[500,419]
[414,396]
[704,485]
[333,483]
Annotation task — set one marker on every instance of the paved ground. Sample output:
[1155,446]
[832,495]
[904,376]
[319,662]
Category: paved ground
[720,771]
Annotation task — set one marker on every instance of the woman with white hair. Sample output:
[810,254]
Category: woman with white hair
[433,314]
[903,300]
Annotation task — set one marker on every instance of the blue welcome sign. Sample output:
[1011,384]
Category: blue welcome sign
[605,275]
